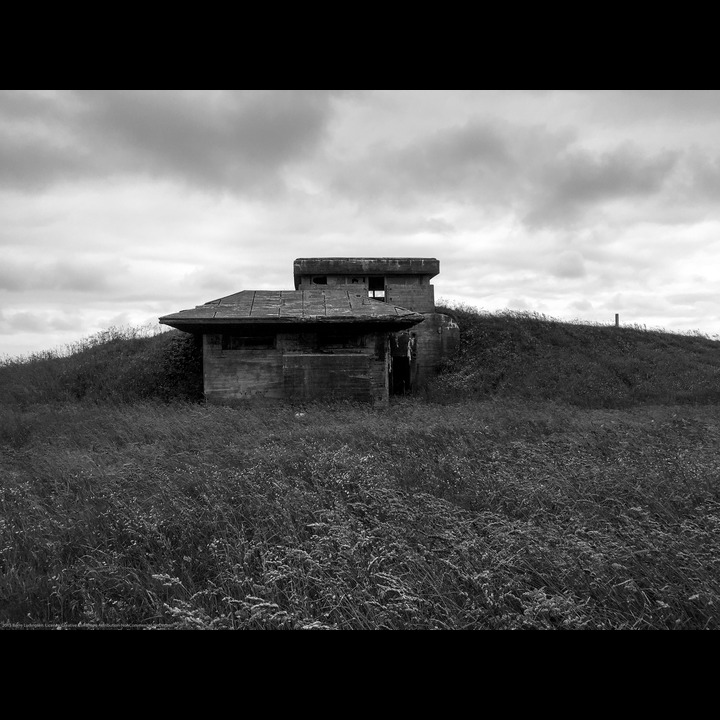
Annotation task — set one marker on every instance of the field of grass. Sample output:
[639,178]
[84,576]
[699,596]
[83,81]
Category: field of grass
[487,503]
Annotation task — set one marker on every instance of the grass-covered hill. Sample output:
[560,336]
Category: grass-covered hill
[526,355]
[117,365]
[502,355]
[555,476]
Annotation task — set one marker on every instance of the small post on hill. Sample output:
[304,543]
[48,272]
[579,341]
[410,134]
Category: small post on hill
[617,320]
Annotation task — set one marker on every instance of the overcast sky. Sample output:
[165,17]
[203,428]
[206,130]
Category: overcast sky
[117,207]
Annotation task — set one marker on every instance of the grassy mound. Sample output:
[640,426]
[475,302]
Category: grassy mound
[530,356]
[502,355]
[117,365]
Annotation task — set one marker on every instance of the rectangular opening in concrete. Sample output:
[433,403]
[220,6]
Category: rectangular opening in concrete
[400,375]
[237,342]
[376,287]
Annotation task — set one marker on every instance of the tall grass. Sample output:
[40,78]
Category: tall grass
[116,365]
[473,515]
[501,510]
[513,354]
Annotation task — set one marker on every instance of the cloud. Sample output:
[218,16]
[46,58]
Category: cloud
[654,106]
[475,162]
[78,276]
[544,177]
[37,322]
[693,299]
[439,225]
[569,265]
[136,204]
[698,184]
[223,140]
[578,180]
[582,305]
[26,164]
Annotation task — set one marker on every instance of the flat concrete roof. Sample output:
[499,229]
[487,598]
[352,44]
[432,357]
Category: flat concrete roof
[364,266]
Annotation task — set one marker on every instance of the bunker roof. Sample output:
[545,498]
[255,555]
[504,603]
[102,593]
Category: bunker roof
[292,309]
[364,266]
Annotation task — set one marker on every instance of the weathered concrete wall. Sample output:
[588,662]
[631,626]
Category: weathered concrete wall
[236,373]
[411,296]
[349,367]
[297,366]
[436,337]
[412,292]
[365,266]
[330,377]
[306,283]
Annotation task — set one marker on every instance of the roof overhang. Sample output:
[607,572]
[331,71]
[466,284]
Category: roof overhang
[293,311]
[296,326]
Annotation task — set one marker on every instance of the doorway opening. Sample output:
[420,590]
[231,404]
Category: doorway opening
[400,375]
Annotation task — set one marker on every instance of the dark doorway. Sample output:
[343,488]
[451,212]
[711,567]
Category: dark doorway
[400,375]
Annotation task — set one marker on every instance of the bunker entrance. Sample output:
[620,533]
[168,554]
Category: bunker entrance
[400,376]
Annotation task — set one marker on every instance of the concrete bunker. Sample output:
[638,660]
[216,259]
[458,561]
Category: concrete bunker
[353,328]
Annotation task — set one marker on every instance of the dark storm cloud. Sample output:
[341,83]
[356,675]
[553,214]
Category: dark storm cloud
[701,178]
[22,321]
[476,161]
[581,177]
[578,180]
[35,322]
[544,176]
[24,275]
[38,145]
[28,164]
[225,140]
